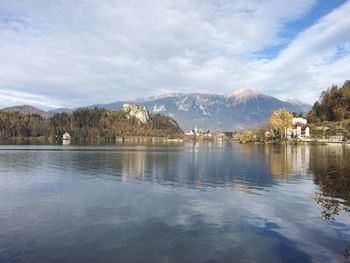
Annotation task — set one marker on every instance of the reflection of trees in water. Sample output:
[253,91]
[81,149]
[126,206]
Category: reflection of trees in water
[346,252]
[328,158]
[286,160]
[335,193]
[280,162]
[332,174]
[334,196]
[133,165]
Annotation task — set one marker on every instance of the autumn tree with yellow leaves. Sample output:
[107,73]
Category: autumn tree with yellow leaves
[281,120]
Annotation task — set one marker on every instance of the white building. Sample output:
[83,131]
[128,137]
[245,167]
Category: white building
[307,132]
[299,129]
[194,132]
[299,120]
[66,136]
[197,132]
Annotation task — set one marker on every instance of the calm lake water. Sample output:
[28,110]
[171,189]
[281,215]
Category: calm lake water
[187,203]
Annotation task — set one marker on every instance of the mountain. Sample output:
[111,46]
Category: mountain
[241,109]
[303,106]
[60,110]
[27,109]
[244,108]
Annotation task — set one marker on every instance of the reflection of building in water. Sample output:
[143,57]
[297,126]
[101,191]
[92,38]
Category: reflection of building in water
[133,165]
[66,142]
[287,159]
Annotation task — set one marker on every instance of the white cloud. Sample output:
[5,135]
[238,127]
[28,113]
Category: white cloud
[80,52]
[9,97]
[309,63]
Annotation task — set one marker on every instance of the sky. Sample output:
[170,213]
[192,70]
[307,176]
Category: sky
[70,53]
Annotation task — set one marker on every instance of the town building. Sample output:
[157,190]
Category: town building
[66,136]
[299,129]
[300,121]
[197,132]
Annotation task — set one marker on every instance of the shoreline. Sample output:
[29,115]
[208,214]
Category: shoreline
[151,140]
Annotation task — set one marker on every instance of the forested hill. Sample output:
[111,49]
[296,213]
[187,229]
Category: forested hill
[334,105]
[28,109]
[86,124]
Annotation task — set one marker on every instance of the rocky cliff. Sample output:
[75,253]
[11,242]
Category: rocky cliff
[139,112]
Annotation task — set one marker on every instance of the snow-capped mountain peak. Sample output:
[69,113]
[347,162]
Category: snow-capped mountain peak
[244,93]
[163,96]
[242,108]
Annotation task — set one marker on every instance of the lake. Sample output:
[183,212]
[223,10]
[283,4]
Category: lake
[173,203]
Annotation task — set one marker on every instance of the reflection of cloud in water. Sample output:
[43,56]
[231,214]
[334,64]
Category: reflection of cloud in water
[193,166]
[243,188]
[108,219]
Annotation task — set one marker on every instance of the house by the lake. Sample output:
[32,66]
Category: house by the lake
[66,136]
[299,129]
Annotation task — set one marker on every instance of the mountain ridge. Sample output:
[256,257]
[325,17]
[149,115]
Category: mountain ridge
[244,108]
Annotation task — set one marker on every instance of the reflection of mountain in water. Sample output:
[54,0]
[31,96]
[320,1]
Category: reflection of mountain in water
[196,165]
[240,167]
[77,190]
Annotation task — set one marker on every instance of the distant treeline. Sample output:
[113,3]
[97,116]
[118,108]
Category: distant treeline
[334,105]
[84,124]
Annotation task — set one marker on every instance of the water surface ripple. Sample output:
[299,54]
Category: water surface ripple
[186,203]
